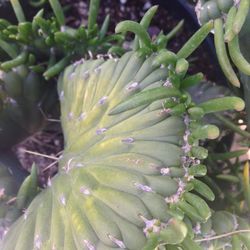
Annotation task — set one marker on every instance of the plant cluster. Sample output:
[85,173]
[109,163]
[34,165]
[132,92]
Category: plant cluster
[133,173]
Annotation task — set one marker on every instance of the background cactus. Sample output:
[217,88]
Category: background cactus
[231,29]
[26,100]
[11,178]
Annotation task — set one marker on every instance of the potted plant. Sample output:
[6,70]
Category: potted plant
[129,174]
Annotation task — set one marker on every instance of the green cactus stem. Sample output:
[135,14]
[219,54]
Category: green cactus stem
[11,177]
[124,178]
[25,103]
[232,23]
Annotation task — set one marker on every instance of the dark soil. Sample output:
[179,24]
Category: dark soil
[49,142]
[166,19]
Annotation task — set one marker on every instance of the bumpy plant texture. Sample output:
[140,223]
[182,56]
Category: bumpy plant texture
[127,168]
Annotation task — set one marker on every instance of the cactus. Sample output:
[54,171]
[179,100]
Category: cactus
[130,160]
[231,30]
[8,212]
[222,231]
[128,177]
[25,102]
[11,177]
[48,45]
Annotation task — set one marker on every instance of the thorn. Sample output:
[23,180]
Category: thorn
[88,245]
[80,165]
[82,116]
[70,116]
[119,243]
[143,188]
[168,84]
[132,86]
[61,96]
[165,171]
[85,191]
[128,140]
[86,75]
[49,182]
[90,54]
[72,75]
[37,242]
[98,70]
[110,56]
[68,167]
[81,61]
[197,228]
[103,100]
[100,131]
[152,226]
[25,214]
[62,199]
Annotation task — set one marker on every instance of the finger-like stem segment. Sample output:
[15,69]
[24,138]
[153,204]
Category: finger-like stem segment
[227,155]
[8,48]
[57,9]
[18,10]
[21,59]
[192,80]
[241,16]
[136,28]
[229,34]
[144,98]
[222,104]
[232,126]
[145,22]
[104,27]
[165,57]
[222,53]
[194,42]
[175,30]
[238,59]
[93,12]
[57,68]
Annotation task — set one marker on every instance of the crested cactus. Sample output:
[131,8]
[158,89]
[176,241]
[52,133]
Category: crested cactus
[128,177]
[130,159]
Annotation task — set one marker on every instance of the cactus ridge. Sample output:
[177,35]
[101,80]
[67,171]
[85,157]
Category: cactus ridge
[123,177]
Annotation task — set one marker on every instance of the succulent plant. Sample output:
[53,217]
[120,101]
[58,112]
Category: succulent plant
[231,34]
[48,44]
[216,232]
[26,100]
[11,178]
[127,177]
